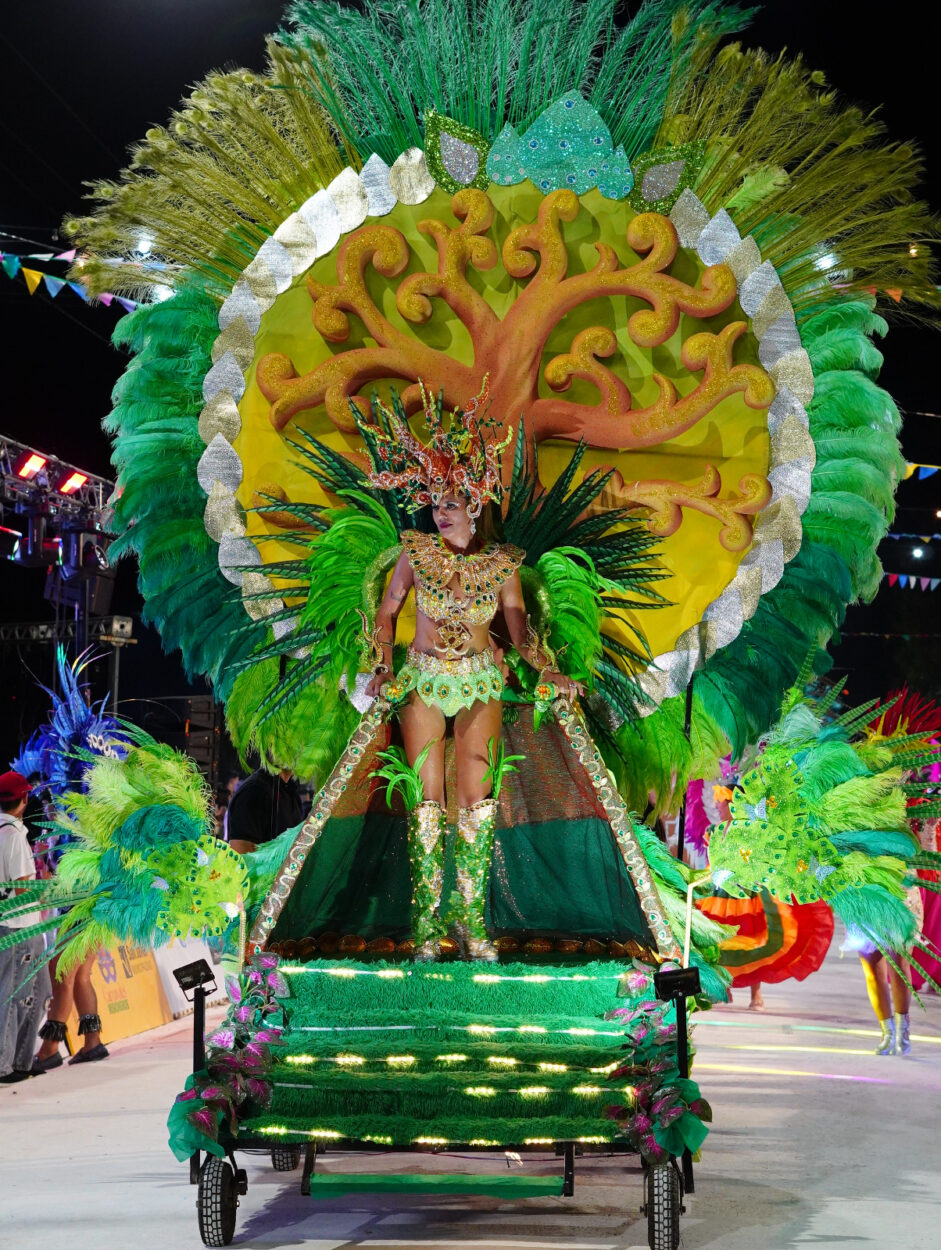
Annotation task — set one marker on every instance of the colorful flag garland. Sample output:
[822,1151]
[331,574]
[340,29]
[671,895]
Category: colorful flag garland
[911,580]
[923,470]
[12,264]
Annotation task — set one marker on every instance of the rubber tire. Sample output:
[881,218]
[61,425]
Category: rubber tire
[663,1207]
[216,1202]
[285,1158]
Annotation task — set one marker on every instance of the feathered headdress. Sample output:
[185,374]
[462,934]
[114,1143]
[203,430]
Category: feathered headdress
[61,751]
[459,459]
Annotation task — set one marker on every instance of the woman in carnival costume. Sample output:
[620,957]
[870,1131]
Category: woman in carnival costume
[461,578]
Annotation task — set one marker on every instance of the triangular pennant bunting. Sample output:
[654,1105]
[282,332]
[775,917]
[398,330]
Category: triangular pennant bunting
[53,285]
[923,582]
[69,255]
[893,578]
[79,290]
[935,582]
[11,266]
[903,580]
[33,278]
[926,470]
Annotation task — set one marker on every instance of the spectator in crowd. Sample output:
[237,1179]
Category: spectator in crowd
[23,991]
[263,806]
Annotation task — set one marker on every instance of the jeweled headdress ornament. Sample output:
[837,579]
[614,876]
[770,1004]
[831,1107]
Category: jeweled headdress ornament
[459,459]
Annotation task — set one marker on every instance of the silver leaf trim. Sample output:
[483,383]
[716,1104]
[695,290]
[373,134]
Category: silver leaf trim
[349,196]
[779,339]
[225,375]
[234,552]
[241,303]
[756,286]
[690,217]
[322,216]
[718,239]
[409,178]
[375,178]
[219,463]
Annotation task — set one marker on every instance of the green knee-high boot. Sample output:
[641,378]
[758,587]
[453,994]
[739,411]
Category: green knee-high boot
[473,848]
[426,824]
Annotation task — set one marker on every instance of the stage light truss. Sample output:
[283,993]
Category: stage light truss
[114,630]
[30,480]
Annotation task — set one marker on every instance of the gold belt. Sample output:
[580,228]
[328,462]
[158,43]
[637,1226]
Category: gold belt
[461,667]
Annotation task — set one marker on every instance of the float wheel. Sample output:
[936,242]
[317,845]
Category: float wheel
[217,1201]
[663,1207]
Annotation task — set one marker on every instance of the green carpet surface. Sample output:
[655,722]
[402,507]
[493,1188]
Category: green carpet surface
[437,1054]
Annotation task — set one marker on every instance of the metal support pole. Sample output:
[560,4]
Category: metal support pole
[568,1169]
[687,730]
[115,677]
[682,1057]
[199,1059]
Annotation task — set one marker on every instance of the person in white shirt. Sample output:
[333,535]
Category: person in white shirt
[23,992]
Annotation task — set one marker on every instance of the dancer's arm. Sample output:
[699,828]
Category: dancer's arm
[514,613]
[401,583]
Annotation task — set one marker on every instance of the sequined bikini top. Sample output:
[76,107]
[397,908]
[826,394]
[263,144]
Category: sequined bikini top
[479,577]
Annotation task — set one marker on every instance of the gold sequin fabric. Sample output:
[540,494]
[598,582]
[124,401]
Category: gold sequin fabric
[478,576]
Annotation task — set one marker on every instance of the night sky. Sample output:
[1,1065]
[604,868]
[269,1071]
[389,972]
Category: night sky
[80,80]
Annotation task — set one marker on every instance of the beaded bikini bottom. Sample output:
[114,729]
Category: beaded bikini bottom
[447,684]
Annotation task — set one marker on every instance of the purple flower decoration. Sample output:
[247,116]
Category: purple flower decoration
[265,959]
[662,1065]
[641,1123]
[254,977]
[223,1038]
[233,989]
[243,1014]
[187,1096]
[637,982]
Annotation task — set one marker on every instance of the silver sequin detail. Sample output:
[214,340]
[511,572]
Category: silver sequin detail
[460,159]
[661,180]
[219,463]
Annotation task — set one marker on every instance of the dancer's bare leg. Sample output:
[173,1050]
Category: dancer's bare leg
[59,1008]
[901,992]
[877,986]
[420,725]
[757,1003]
[474,728]
[86,1000]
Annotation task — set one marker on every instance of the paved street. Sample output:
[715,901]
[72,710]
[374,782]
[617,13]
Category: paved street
[816,1142]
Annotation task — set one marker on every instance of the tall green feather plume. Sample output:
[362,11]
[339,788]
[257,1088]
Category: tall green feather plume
[755,112]
[159,509]
[377,71]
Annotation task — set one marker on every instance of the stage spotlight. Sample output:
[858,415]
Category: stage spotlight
[918,552]
[30,465]
[71,481]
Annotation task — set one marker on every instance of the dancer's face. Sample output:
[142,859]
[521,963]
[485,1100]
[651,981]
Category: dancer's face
[452,520]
